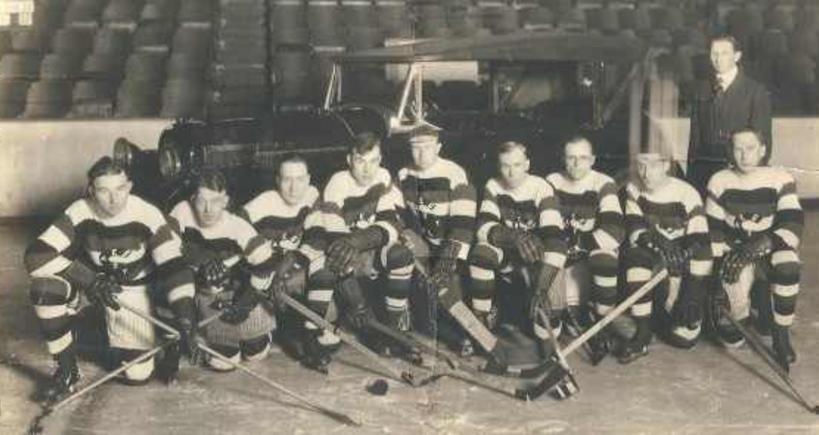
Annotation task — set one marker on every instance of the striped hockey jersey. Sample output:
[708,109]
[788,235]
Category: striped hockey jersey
[347,206]
[675,211]
[284,225]
[440,202]
[740,205]
[591,206]
[532,206]
[134,246]
[231,237]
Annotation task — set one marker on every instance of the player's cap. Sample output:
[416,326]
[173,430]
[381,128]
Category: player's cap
[424,133]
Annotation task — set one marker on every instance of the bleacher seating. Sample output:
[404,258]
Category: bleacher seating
[212,58]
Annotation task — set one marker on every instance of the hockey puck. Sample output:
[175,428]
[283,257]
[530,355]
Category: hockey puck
[378,387]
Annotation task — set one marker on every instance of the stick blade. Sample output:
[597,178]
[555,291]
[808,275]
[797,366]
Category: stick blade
[554,378]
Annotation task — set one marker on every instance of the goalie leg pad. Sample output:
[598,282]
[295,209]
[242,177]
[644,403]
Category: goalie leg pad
[257,348]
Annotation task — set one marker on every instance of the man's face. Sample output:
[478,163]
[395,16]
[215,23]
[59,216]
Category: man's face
[724,57]
[110,193]
[748,151]
[578,158]
[209,206]
[293,182]
[425,152]
[513,166]
[365,166]
[652,172]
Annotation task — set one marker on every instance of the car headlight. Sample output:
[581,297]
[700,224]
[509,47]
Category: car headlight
[125,152]
[170,161]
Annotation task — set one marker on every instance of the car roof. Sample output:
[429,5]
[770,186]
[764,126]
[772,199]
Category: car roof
[519,46]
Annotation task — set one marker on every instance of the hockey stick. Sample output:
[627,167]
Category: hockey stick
[760,349]
[140,358]
[335,415]
[576,330]
[564,384]
[404,375]
[615,312]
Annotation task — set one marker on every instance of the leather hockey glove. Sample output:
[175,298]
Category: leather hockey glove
[102,291]
[244,301]
[359,314]
[213,272]
[528,245]
[755,248]
[342,252]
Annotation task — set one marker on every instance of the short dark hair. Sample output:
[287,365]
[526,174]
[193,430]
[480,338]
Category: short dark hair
[509,146]
[751,130]
[211,179]
[578,138]
[364,142]
[293,158]
[727,38]
[105,166]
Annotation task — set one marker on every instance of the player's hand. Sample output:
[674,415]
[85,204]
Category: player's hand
[530,247]
[213,272]
[340,255]
[191,340]
[447,262]
[102,291]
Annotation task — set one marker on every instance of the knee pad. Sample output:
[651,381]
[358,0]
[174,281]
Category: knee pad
[49,291]
[256,348]
[397,257]
[484,256]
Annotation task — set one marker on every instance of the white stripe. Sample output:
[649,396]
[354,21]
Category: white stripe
[463,250]
[555,259]
[483,232]
[788,237]
[320,295]
[58,345]
[181,292]
[602,309]
[688,334]
[166,251]
[262,354]
[635,235]
[50,311]
[490,207]
[697,225]
[700,267]
[540,332]
[463,207]
[396,303]
[604,240]
[481,274]
[550,217]
[641,310]
[392,234]
[260,283]
[605,281]
[402,272]
[786,256]
[55,238]
[51,268]
[719,249]
[637,274]
[327,338]
[783,320]
[223,366]
[484,305]
[786,291]
[789,202]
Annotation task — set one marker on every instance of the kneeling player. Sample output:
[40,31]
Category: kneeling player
[666,228]
[519,230]
[112,247]
[593,227]
[215,242]
[756,224]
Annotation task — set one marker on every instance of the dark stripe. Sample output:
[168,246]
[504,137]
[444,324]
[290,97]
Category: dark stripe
[584,205]
[38,254]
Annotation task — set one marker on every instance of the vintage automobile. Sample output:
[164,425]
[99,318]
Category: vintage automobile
[532,87]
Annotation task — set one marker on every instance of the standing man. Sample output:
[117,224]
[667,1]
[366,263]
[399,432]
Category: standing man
[112,247]
[729,102]
[593,227]
[756,225]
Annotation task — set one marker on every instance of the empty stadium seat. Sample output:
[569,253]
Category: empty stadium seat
[181,65]
[159,10]
[115,42]
[73,41]
[195,11]
[83,13]
[153,36]
[29,40]
[57,66]
[103,66]
[148,67]
[192,41]
[48,99]
[13,97]
[137,99]
[20,66]
[182,98]
[537,18]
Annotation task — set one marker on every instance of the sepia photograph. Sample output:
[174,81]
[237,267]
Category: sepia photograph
[410,217]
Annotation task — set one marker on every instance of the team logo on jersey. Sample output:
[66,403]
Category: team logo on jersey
[288,241]
[116,261]
[750,223]
[431,222]
[670,232]
[363,220]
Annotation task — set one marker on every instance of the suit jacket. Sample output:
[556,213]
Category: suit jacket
[715,115]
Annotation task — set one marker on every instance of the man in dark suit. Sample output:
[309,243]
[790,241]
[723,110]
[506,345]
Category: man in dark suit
[728,102]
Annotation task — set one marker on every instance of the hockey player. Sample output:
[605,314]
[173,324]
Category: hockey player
[666,228]
[439,212]
[756,224]
[286,216]
[215,241]
[519,229]
[593,228]
[112,247]
[360,205]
